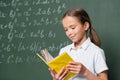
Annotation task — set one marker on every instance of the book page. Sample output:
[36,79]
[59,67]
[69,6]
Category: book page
[46,55]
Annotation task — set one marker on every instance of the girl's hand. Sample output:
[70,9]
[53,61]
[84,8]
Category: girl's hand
[59,76]
[77,68]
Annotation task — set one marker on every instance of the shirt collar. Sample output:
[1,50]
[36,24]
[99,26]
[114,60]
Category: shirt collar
[84,46]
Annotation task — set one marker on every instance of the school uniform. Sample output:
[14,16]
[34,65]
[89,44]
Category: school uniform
[90,55]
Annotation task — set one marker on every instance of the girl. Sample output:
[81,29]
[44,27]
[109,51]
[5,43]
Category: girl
[85,50]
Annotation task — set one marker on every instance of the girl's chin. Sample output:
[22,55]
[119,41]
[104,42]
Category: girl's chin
[74,41]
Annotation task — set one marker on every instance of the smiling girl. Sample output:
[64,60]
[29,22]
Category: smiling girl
[85,50]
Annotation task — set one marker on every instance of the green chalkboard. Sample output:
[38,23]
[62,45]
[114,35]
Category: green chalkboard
[27,26]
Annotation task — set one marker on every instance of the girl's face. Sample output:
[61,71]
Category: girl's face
[75,31]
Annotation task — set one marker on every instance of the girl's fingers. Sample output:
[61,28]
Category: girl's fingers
[74,63]
[64,74]
[60,73]
[74,70]
[52,72]
[75,67]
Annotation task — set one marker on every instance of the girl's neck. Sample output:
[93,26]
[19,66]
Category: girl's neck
[77,44]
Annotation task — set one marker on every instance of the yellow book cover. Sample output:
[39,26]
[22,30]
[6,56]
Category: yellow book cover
[56,63]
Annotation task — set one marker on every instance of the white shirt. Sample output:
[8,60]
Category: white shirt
[90,55]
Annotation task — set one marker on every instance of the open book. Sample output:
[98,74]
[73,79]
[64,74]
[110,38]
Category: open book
[56,63]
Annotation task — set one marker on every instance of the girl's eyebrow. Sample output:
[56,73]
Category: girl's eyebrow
[72,25]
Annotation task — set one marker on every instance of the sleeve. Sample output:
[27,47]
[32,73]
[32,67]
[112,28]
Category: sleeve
[100,62]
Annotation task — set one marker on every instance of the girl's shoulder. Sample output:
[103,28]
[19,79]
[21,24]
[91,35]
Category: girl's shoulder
[96,49]
[66,48]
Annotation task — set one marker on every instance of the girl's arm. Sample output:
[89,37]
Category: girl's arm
[78,68]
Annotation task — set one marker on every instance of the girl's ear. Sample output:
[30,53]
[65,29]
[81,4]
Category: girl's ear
[86,26]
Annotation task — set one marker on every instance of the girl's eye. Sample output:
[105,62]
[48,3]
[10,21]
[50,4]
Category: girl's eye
[72,27]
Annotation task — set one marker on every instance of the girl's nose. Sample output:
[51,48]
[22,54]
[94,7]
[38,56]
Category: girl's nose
[69,32]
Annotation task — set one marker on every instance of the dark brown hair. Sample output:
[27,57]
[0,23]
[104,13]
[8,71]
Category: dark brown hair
[83,17]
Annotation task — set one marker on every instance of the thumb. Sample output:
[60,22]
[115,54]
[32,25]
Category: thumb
[52,72]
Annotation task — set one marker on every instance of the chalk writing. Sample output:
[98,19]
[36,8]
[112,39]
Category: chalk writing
[34,47]
[28,26]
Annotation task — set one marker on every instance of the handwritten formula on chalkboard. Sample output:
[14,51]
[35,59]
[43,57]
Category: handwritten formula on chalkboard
[27,26]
